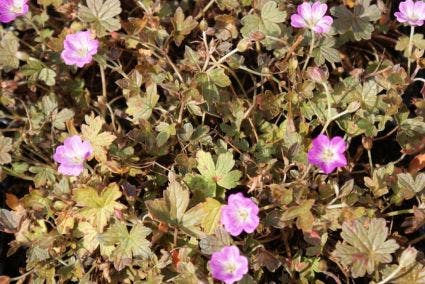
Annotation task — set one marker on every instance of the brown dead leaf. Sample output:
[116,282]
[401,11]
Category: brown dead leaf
[4,279]
[12,201]
[417,164]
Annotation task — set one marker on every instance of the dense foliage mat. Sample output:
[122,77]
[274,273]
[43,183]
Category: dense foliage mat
[250,141]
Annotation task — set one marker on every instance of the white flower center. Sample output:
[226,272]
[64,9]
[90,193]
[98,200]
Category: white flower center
[312,21]
[242,214]
[77,159]
[328,155]
[17,7]
[229,267]
[83,51]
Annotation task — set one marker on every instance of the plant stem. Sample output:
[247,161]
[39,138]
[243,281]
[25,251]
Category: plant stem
[328,103]
[201,13]
[409,50]
[369,156]
[103,78]
[391,276]
[399,212]
[313,39]
[222,59]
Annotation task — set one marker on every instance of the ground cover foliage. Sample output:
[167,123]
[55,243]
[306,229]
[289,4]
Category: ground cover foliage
[185,103]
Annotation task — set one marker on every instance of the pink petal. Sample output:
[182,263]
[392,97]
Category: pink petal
[318,10]
[297,21]
[304,10]
[338,144]
[320,141]
[70,170]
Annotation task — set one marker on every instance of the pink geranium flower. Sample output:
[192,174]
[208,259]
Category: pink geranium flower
[228,265]
[312,16]
[72,154]
[11,9]
[328,154]
[79,48]
[412,13]
[240,214]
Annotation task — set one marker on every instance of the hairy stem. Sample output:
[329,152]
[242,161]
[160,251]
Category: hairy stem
[310,51]
[410,47]
[329,117]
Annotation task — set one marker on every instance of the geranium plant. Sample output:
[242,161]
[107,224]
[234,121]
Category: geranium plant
[212,141]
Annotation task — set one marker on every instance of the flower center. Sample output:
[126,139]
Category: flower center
[229,267]
[242,214]
[78,160]
[16,8]
[83,51]
[328,155]
[412,15]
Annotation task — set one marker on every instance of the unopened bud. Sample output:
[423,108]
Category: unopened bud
[367,142]
[317,75]
[203,25]
[243,45]
[408,257]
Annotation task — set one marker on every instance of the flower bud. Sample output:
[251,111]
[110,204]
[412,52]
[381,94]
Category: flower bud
[243,45]
[203,25]
[317,75]
[408,257]
[367,142]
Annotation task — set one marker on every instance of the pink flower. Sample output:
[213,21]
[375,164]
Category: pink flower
[312,16]
[11,9]
[328,154]
[79,48]
[240,214]
[228,265]
[72,154]
[412,13]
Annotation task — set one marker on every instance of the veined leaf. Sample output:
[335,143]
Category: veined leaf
[9,46]
[128,244]
[221,172]
[365,246]
[102,15]
[91,131]
[98,207]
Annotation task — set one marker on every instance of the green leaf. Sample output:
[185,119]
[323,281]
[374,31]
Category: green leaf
[59,119]
[219,78]
[36,70]
[405,180]
[177,200]
[266,23]
[207,87]
[102,15]
[172,207]
[216,241]
[128,244]
[358,22]
[365,246]
[9,46]
[44,175]
[92,239]
[326,51]
[212,219]
[165,132]
[182,26]
[100,140]
[48,76]
[411,133]
[141,107]
[98,207]
[221,172]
